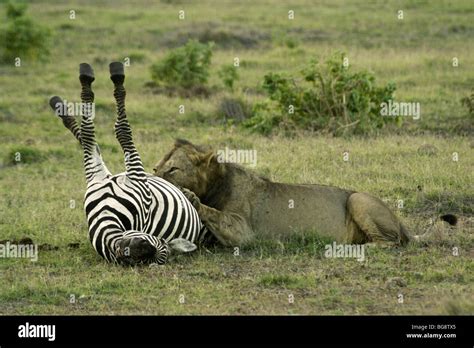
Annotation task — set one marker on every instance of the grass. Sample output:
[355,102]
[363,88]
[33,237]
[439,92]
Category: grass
[415,53]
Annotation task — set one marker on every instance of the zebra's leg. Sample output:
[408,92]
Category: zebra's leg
[123,132]
[70,123]
[93,163]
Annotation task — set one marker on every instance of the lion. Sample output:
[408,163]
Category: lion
[237,205]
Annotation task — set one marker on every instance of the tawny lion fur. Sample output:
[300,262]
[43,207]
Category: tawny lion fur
[238,206]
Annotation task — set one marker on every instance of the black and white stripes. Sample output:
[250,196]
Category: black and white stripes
[133,217]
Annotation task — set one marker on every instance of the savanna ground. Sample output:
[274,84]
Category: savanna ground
[414,163]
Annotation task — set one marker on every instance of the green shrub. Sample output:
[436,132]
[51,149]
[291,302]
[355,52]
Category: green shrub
[291,42]
[15,11]
[21,37]
[329,97]
[278,280]
[265,118]
[186,66]
[288,41]
[24,155]
[228,75]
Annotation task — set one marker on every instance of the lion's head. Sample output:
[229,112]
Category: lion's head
[190,166]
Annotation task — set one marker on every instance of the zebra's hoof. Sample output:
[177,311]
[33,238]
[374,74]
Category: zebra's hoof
[116,68]
[86,70]
[117,74]
[53,102]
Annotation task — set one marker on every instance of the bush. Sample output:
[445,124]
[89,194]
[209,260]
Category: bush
[21,37]
[15,11]
[329,98]
[265,118]
[228,75]
[186,66]
[24,155]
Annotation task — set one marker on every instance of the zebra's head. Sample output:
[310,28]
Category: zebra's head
[140,248]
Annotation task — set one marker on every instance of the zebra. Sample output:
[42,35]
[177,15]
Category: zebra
[133,217]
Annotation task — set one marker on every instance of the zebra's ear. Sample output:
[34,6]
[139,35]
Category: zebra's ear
[182,245]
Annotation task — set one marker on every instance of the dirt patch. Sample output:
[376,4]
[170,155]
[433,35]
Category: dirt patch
[73,245]
[47,247]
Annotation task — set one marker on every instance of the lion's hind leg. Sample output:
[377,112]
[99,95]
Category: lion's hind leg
[375,220]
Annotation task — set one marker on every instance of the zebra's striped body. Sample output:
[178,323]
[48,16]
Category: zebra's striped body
[133,217]
[116,204]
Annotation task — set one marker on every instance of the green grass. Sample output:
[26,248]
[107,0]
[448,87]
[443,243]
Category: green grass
[415,53]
